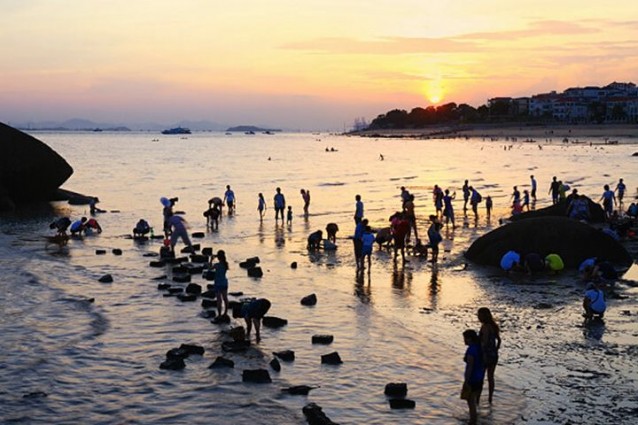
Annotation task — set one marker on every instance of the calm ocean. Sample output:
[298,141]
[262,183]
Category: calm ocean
[64,359]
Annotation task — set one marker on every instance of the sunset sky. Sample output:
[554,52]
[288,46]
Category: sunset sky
[309,64]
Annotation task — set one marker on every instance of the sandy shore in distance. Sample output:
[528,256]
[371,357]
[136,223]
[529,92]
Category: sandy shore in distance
[611,132]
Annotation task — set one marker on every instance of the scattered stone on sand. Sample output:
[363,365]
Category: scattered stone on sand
[275,365]
[293,265]
[192,349]
[322,339]
[315,416]
[402,403]
[236,294]
[159,263]
[175,290]
[107,278]
[235,346]
[208,303]
[173,364]
[221,320]
[198,235]
[298,389]
[255,272]
[182,278]
[100,251]
[207,251]
[116,251]
[163,286]
[285,355]
[162,277]
[274,322]
[332,358]
[309,300]
[199,258]
[193,288]
[397,390]
[187,297]
[249,263]
[222,362]
[256,376]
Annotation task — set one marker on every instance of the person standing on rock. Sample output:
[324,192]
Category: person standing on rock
[221,283]
[609,199]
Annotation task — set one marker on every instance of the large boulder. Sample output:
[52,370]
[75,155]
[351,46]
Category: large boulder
[29,169]
[572,240]
[596,212]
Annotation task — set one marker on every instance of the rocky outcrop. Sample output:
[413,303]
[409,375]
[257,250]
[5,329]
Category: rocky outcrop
[29,169]
[572,240]
[596,212]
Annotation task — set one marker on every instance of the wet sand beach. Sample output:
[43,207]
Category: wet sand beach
[98,362]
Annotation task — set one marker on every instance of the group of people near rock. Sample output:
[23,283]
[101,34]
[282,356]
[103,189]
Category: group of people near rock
[78,227]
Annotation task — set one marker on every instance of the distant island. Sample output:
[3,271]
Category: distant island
[252,128]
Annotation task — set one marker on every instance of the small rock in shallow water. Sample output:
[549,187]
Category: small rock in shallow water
[107,278]
[256,376]
[221,362]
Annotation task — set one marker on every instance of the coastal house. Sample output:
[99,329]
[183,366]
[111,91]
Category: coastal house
[542,105]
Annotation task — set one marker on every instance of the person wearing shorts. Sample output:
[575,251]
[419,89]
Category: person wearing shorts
[253,312]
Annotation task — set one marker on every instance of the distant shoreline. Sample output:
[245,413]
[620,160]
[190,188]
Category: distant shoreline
[520,132]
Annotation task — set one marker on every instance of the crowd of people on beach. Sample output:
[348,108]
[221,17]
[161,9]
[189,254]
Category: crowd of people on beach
[402,235]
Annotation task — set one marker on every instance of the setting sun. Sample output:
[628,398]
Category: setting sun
[434,91]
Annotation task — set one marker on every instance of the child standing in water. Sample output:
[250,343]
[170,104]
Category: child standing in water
[474,373]
[261,206]
[289,216]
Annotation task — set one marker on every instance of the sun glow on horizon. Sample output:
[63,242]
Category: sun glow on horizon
[434,91]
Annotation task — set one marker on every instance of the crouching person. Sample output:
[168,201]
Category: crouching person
[253,312]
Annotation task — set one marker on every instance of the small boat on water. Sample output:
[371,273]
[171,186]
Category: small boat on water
[177,130]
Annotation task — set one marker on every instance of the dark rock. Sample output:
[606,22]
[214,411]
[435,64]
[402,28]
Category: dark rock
[236,309]
[298,389]
[209,294]
[150,254]
[332,358]
[165,252]
[401,403]
[255,272]
[176,260]
[173,364]
[199,258]
[235,346]
[398,390]
[179,270]
[162,277]
[159,263]
[208,251]
[29,169]
[274,322]
[198,235]
[107,278]
[286,355]
[634,154]
[221,362]
[315,416]
[190,250]
[163,286]
[35,394]
[116,251]
[208,314]
[276,366]
[309,300]
[238,333]
[322,339]
[596,212]
[193,268]
[206,303]
[182,278]
[293,265]
[187,297]
[100,251]
[571,239]
[249,263]
[543,306]
[192,349]
[175,290]
[256,376]
[236,294]
[193,288]
[221,320]
[209,275]
[176,353]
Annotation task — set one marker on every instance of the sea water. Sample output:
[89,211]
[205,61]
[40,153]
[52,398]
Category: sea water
[74,350]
